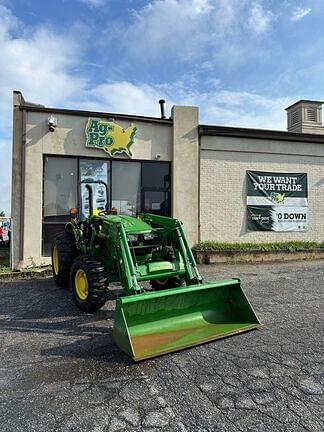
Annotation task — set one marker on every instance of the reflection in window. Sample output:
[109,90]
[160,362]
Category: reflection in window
[60,194]
[157,202]
[126,182]
[156,175]
[60,185]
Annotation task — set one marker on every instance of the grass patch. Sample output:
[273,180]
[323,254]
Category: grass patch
[289,246]
[4,259]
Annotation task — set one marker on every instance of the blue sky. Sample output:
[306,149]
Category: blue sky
[241,61]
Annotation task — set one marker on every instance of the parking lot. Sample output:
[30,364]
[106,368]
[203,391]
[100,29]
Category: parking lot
[60,370]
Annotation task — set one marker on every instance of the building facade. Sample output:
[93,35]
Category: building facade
[174,167]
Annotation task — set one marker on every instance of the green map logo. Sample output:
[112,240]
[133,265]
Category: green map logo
[277,198]
[110,137]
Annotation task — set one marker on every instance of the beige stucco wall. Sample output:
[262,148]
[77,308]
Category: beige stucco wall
[185,169]
[224,161]
[69,139]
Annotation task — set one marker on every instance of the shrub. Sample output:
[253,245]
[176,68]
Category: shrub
[291,246]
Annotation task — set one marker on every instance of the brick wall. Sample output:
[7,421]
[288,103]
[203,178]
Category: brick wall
[223,165]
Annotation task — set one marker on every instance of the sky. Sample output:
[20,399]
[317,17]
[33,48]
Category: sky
[241,61]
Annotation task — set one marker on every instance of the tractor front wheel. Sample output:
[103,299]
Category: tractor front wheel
[88,283]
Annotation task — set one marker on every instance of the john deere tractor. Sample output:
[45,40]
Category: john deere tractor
[166,305]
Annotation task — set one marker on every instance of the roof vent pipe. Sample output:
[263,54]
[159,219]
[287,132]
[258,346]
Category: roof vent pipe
[162,102]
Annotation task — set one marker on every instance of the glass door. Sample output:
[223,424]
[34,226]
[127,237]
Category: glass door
[156,191]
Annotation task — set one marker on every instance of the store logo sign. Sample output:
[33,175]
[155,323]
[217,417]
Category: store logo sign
[110,137]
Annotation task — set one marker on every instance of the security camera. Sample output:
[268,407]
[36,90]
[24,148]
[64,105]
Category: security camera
[158,156]
[52,123]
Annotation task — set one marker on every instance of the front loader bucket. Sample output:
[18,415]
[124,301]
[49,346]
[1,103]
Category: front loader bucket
[154,323]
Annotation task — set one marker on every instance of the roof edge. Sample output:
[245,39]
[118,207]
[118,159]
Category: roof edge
[82,113]
[259,133]
[304,101]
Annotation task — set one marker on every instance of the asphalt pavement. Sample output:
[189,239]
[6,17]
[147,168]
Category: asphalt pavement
[61,371]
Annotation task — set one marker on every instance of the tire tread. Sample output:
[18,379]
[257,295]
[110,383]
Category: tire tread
[97,283]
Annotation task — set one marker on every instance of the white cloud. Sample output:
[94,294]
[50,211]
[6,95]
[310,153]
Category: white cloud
[190,30]
[260,20]
[124,97]
[299,13]
[244,109]
[40,64]
[5,174]
[164,25]
[220,107]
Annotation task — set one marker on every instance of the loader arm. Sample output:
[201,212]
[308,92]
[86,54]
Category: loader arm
[130,276]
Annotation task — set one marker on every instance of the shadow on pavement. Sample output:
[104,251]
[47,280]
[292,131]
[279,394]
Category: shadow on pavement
[39,307]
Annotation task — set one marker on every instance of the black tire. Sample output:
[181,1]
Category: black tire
[173,282]
[65,245]
[91,270]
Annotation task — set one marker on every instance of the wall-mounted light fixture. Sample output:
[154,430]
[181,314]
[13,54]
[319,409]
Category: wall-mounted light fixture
[52,123]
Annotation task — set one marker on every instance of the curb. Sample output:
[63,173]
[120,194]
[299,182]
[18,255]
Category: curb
[27,274]
[250,256]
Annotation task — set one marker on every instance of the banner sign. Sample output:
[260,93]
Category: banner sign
[110,137]
[277,218]
[264,188]
[277,201]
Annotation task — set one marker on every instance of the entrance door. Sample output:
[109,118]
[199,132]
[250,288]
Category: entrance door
[156,202]
[156,196]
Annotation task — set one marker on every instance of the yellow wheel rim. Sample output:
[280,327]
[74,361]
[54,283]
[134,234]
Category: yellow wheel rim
[56,260]
[81,284]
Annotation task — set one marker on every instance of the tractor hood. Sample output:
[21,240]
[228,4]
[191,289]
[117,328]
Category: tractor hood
[132,225]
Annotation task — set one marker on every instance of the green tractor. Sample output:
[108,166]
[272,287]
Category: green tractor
[166,305]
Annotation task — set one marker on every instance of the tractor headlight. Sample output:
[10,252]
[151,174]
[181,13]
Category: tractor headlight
[133,238]
[149,236]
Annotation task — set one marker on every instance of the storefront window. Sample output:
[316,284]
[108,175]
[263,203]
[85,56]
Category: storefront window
[133,187]
[126,187]
[60,194]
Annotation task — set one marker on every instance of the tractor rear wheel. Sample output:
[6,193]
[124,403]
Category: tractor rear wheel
[88,282]
[63,254]
[173,282]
